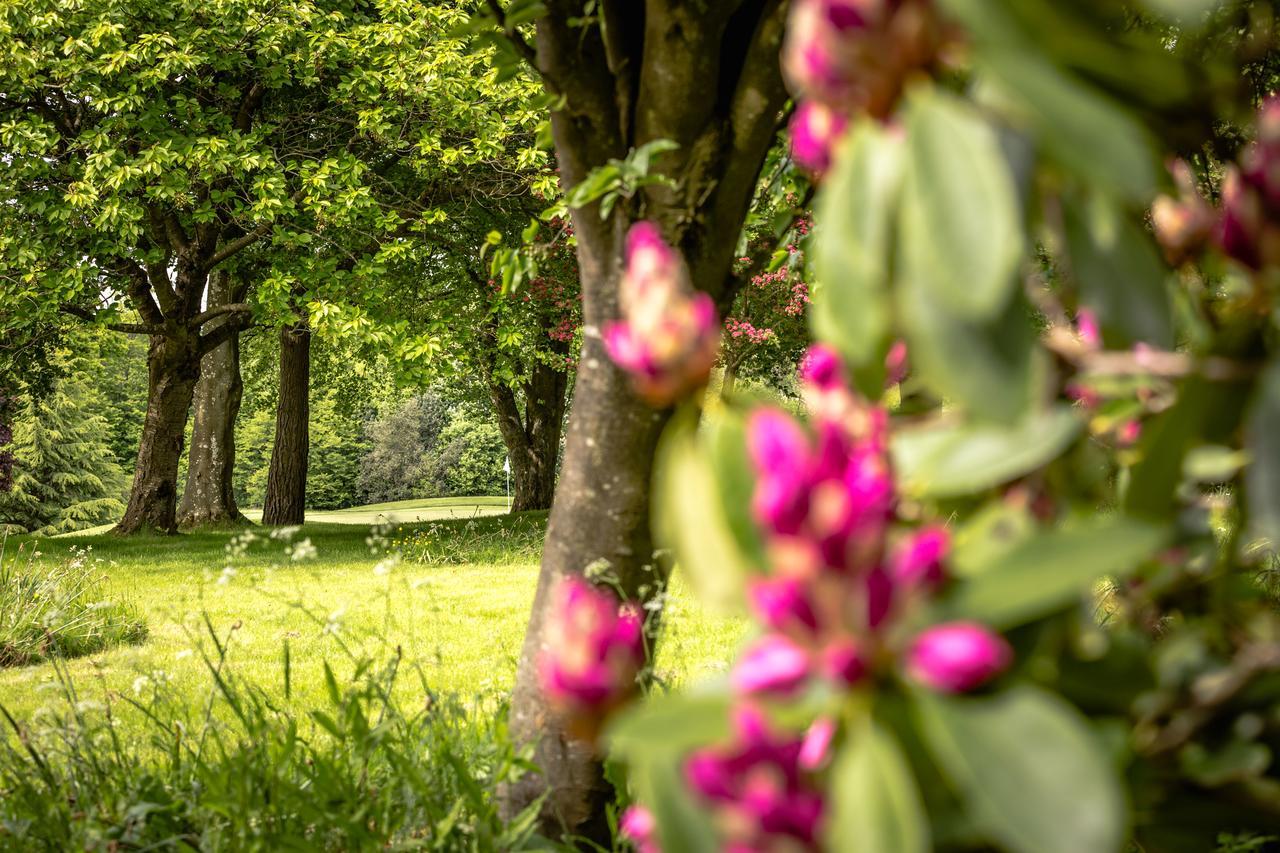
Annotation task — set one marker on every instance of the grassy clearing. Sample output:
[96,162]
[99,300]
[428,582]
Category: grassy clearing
[460,618]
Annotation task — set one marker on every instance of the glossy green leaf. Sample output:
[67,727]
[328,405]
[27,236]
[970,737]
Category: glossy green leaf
[1120,277]
[856,209]
[991,369]
[961,224]
[962,458]
[875,806]
[1033,775]
[1052,570]
[689,518]
[1262,441]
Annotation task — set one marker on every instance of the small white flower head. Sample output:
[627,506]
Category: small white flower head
[184,654]
[140,683]
[285,533]
[385,566]
[303,550]
[227,574]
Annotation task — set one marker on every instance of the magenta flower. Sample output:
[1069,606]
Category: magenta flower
[1087,328]
[823,369]
[638,826]
[594,652]
[783,604]
[895,363]
[957,656]
[843,662]
[918,559]
[760,796]
[815,749]
[1183,225]
[668,335]
[1129,432]
[772,664]
[815,130]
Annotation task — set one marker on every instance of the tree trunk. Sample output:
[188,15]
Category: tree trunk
[173,367]
[209,498]
[533,441]
[287,476]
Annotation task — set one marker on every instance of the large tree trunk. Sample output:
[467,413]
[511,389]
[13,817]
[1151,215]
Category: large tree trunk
[601,512]
[173,367]
[707,77]
[209,498]
[287,476]
[532,439]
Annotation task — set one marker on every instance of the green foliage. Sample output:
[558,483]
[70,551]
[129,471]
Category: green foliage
[65,476]
[479,453]
[56,612]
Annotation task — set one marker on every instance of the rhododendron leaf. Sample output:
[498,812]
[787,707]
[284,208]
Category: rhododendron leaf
[726,442]
[988,535]
[992,369]
[1033,775]
[1079,127]
[852,254]
[961,227]
[689,518]
[874,804]
[959,459]
[1262,440]
[1120,277]
[1051,570]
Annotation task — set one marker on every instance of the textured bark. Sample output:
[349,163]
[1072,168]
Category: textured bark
[287,476]
[532,437]
[209,498]
[173,366]
[706,76]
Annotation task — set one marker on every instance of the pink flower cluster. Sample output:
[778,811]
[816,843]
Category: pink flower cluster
[761,788]
[1246,226]
[668,335]
[846,58]
[737,329]
[831,606]
[594,651]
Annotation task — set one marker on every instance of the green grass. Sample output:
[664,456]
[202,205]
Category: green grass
[461,620]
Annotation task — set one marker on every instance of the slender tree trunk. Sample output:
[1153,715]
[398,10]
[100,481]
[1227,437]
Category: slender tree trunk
[532,440]
[173,367]
[209,498]
[287,476]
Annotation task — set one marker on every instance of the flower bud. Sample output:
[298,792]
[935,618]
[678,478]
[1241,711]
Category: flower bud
[595,650]
[815,130]
[843,662]
[783,604]
[668,336]
[895,364]
[639,827]
[772,664]
[1183,225]
[815,749]
[917,561]
[957,656]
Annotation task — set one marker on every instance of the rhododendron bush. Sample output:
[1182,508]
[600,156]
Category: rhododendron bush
[1024,600]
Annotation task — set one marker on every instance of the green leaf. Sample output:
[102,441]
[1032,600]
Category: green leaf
[1033,776]
[961,223]
[1083,130]
[689,518]
[992,369]
[960,459]
[875,806]
[1119,274]
[1262,441]
[851,257]
[1051,570]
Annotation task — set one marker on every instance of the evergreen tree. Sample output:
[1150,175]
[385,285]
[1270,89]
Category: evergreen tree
[64,475]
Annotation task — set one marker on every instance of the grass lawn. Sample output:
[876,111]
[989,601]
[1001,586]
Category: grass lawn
[461,620]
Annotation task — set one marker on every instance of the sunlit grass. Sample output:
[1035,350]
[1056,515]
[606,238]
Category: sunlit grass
[463,622]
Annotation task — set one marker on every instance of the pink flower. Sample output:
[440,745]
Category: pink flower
[1087,328]
[1129,433]
[815,749]
[895,363]
[957,656]
[759,794]
[668,336]
[783,604]
[843,663]
[1184,225]
[772,664]
[638,825]
[917,561]
[823,369]
[815,130]
[594,652]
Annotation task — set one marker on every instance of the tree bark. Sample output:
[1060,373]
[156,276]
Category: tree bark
[532,438]
[287,475]
[209,498]
[707,77]
[173,367]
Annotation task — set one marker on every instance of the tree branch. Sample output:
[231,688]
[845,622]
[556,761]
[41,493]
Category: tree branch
[205,316]
[246,240]
[125,328]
